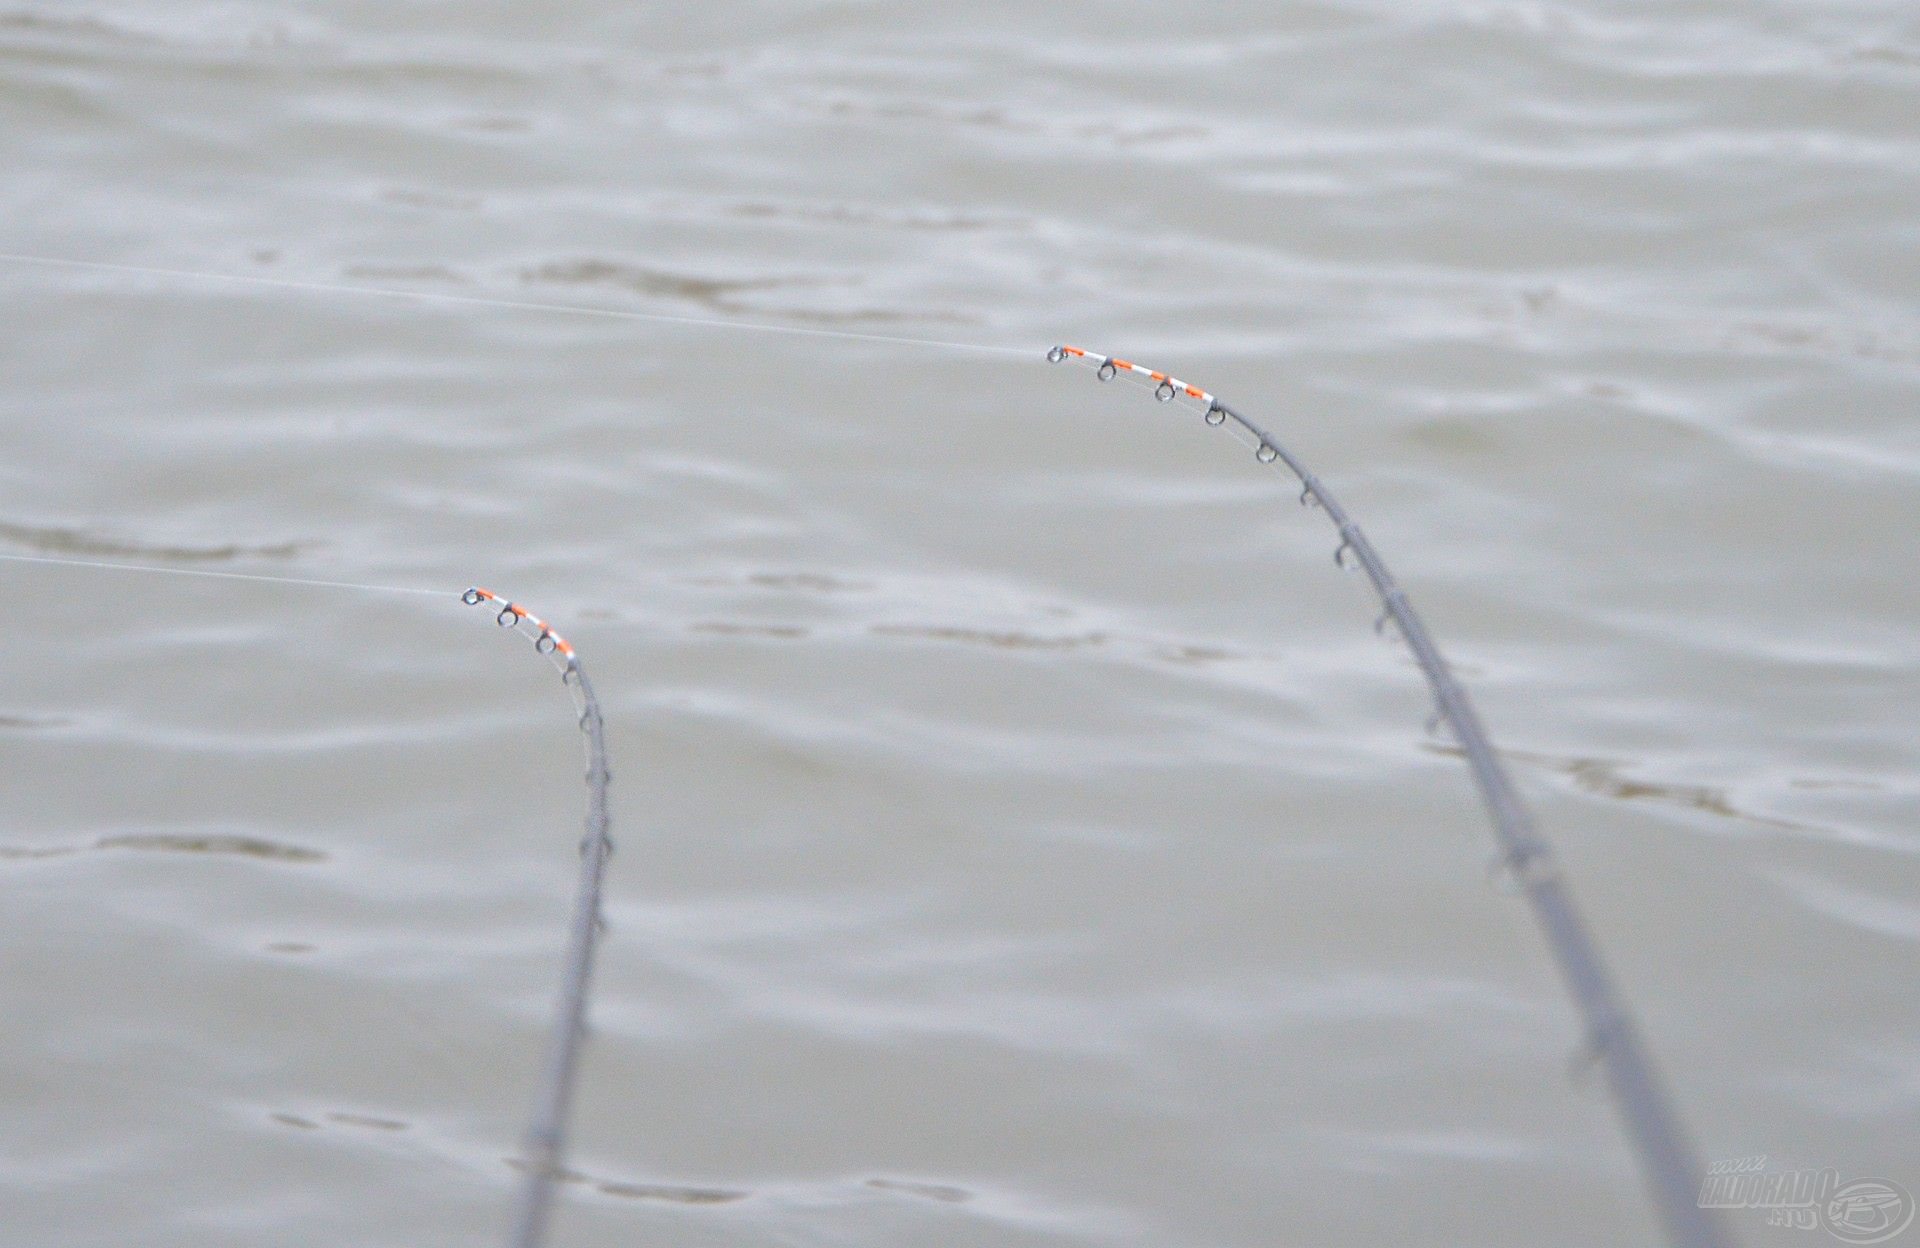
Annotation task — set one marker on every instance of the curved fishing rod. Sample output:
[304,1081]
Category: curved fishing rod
[1668,1164]
[545,1146]
[545,1143]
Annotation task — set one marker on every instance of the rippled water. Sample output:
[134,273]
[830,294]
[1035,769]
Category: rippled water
[1024,840]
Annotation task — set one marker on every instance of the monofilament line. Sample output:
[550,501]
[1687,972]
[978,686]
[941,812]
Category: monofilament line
[223,576]
[545,1147]
[1668,1164]
[487,301]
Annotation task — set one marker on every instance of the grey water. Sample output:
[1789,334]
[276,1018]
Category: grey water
[1023,838]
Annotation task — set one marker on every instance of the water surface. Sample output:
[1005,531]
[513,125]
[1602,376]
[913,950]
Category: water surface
[1023,838]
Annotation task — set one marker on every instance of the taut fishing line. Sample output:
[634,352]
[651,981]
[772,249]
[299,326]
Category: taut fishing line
[1653,1125]
[488,301]
[223,576]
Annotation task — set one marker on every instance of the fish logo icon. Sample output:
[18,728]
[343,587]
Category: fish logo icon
[1868,1211]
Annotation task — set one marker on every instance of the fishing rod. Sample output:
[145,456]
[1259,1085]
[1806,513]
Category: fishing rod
[1668,1164]
[1666,1158]
[545,1146]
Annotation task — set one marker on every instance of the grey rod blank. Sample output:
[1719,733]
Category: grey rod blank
[545,1146]
[1668,1165]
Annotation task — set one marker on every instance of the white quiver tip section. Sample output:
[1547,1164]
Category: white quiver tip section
[1108,367]
[558,650]
[1170,389]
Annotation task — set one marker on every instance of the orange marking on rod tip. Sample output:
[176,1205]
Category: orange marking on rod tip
[1193,393]
[1073,350]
